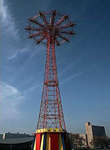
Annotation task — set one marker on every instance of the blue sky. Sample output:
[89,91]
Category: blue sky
[83,65]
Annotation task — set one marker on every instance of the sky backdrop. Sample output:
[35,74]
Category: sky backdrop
[83,65]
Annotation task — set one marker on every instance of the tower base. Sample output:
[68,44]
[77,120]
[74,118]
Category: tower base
[51,139]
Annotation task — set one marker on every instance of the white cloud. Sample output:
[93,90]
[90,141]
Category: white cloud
[13,56]
[32,52]
[71,77]
[3,10]
[10,29]
[32,88]
[7,20]
[17,53]
[10,100]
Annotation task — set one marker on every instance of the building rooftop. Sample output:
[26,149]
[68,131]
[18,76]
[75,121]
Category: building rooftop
[16,140]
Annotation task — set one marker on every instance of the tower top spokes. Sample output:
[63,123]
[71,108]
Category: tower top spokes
[50,25]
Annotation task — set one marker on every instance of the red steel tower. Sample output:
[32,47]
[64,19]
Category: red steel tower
[52,29]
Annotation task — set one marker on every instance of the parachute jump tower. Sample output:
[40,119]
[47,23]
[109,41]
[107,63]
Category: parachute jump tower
[53,29]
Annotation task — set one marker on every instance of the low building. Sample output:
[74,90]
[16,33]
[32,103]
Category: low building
[78,141]
[11,141]
[95,136]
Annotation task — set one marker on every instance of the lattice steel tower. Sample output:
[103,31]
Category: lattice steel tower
[53,29]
